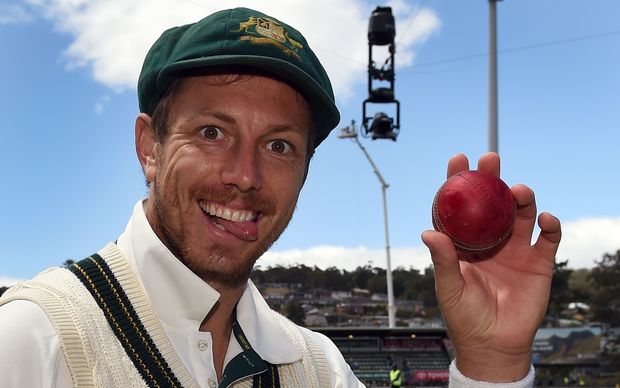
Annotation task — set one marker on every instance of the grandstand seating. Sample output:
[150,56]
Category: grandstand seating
[421,354]
[369,366]
[427,360]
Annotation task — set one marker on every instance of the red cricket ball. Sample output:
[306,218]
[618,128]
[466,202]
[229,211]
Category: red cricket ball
[477,211]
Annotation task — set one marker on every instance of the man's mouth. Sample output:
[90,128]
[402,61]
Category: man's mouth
[235,215]
[243,224]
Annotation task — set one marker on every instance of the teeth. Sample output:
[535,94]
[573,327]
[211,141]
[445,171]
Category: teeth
[234,215]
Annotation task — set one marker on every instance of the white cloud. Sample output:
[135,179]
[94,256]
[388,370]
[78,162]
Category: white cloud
[414,28]
[586,240]
[583,242]
[348,258]
[13,13]
[112,37]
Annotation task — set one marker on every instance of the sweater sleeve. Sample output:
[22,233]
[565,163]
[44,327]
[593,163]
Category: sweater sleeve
[31,355]
[458,380]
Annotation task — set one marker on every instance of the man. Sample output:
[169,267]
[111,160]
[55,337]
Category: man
[396,377]
[232,109]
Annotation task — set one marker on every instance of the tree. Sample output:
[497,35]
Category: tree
[581,285]
[330,279]
[361,276]
[606,293]
[561,295]
[427,292]
[377,284]
[295,312]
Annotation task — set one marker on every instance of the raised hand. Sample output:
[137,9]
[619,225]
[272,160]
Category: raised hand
[492,308]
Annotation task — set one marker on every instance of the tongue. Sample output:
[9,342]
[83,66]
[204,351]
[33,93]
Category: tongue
[247,231]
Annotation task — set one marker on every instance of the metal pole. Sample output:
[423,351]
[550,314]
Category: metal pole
[493,121]
[390,285]
[388,270]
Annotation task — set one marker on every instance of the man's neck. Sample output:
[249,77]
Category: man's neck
[219,323]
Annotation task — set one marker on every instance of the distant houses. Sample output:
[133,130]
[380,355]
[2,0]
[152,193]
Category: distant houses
[355,308]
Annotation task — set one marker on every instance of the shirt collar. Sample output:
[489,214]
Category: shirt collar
[181,299]
[265,333]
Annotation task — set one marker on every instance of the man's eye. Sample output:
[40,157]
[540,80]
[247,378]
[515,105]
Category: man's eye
[211,133]
[279,147]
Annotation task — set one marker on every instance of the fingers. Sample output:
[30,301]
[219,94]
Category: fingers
[550,235]
[457,163]
[549,239]
[490,163]
[526,212]
[448,278]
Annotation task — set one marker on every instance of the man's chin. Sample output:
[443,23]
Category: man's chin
[221,267]
[219,279]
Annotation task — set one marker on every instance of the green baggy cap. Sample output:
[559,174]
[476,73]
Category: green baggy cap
[241,37]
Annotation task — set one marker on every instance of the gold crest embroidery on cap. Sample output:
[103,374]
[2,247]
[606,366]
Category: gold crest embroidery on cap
[267,31]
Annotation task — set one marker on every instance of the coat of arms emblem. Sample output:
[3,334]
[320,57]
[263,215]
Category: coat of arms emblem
[267,31]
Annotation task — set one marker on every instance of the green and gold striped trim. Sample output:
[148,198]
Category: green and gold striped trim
[99,280]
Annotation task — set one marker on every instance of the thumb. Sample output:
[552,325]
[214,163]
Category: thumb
[448,279]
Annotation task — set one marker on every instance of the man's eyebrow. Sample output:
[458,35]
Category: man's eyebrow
[218,115]
[274,128]
[287,128]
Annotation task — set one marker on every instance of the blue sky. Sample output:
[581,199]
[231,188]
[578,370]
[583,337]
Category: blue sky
[67,106]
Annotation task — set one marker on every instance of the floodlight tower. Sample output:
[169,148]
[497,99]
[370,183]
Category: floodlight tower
[350,132]
[381,32]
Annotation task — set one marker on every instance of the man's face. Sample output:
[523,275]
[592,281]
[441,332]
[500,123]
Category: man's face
[226,178]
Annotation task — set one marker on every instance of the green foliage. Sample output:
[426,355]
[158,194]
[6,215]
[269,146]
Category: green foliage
[606,291]
[295,312]
[331,278]
[409,284]
[580,283]
[598,287]
[561,295]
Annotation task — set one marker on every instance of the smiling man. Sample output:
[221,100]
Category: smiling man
[226,175]
[232,109]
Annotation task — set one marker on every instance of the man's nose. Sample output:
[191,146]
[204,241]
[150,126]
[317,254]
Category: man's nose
[242,169]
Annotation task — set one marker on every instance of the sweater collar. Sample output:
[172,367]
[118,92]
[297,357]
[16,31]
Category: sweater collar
[173,291]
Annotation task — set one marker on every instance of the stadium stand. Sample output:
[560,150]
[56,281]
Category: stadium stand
[562,356]
[422,354]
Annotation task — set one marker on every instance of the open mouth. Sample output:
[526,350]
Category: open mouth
[242,224]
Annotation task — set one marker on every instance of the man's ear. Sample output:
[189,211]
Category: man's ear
[146,146]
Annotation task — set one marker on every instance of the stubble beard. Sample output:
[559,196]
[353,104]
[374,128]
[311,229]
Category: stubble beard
[219,265]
